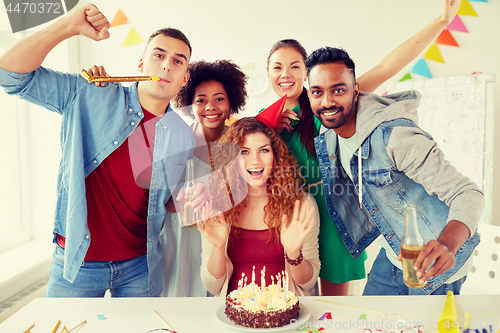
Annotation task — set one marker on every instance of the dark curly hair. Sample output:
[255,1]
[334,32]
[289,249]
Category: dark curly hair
[284,185]
[223,71]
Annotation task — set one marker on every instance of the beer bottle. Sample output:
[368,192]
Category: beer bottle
[189,217]
[411,245]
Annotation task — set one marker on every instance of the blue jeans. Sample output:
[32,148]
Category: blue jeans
[127,278]
[386,279]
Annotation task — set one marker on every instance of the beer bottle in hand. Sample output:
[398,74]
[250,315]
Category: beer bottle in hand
[411,245]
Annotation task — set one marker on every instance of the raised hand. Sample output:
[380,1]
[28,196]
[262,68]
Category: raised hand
[88,21]
[295,231]
[213,228]
[450,10]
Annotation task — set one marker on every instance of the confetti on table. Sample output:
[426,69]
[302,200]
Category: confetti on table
[323,317]
[311,330]
[101,317]
[363,316]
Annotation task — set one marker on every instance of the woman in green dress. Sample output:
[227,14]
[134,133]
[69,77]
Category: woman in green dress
[287,74]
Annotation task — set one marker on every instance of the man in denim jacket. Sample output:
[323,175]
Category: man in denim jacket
[378,138]
[123,150]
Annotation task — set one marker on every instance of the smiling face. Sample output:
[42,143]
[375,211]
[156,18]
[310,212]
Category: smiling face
[258,158]
[333,95]
[287,73]
[166,58]
[211,104]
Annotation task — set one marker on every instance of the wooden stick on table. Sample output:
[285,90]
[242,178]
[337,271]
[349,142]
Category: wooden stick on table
[29,329]
[57,326]
[163,320]
[74,328]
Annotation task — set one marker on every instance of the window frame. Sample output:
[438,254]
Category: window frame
[21,109]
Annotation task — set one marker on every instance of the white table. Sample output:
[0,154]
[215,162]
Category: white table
[199,314]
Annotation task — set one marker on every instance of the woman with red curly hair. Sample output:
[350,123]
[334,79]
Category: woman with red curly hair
[273,222]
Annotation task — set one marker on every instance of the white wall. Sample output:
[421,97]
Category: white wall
[244,31]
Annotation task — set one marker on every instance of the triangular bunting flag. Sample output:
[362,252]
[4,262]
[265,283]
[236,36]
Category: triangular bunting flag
[434,54]
[446,38]
[119,19]
[406,77]
[466,9]
[133,38]
[457,25]
[421,68]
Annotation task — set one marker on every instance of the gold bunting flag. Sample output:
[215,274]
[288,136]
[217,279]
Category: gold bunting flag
[434,54]
[466,9]
[133,38]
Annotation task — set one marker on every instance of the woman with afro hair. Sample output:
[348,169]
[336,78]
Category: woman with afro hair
[215,91]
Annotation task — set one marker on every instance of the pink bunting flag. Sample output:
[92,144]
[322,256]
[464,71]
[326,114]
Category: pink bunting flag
[457,25]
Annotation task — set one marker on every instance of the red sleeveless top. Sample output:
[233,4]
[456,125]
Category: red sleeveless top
[253,248]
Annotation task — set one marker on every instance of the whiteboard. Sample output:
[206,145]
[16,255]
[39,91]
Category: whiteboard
[458,112]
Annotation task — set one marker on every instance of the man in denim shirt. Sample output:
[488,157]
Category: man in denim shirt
[123,150]
[376,160]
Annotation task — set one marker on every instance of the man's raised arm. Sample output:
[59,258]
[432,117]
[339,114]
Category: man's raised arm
[28,54]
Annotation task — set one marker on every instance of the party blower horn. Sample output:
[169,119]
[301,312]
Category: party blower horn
[448,321]
[272,114]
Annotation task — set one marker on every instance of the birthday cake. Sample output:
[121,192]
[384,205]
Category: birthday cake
[262,307]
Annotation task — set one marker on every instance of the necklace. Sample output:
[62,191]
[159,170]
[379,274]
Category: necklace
[247,199]
[247,204]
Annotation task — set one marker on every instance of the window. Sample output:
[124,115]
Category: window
[13,227]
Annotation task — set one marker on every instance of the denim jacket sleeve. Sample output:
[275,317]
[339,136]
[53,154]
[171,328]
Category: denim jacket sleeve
[416,154]
[50,89]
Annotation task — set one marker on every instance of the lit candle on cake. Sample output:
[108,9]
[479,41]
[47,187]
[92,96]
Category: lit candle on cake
[239,288]
[242,279]
[278,280]
[271,298]
[286,285]
[253,283]
[263,278]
